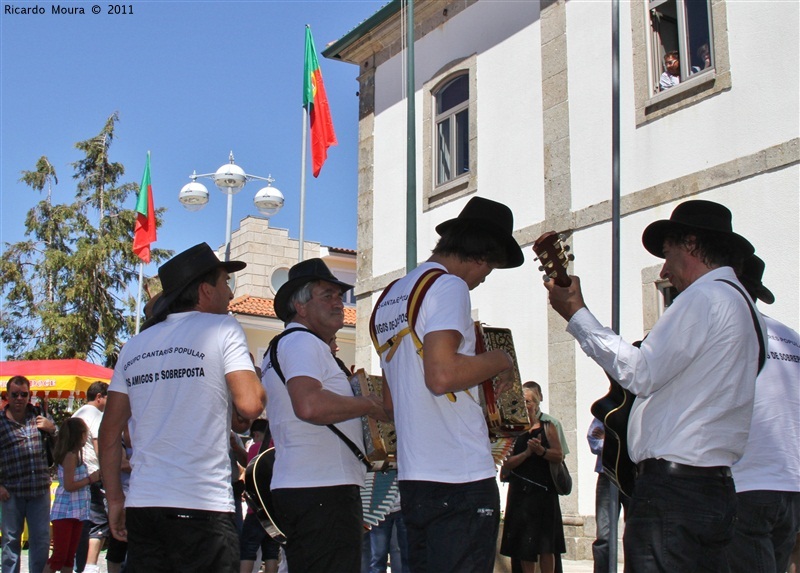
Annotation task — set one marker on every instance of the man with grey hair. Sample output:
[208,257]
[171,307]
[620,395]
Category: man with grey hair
[316,477]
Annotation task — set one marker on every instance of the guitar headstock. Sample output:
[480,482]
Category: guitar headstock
[552,253]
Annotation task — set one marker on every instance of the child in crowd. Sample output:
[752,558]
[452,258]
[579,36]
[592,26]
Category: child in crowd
[71,504]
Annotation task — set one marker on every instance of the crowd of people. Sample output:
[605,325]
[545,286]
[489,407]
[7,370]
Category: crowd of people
[150,463]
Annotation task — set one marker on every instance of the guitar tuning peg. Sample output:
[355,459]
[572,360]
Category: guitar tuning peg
[541,268]
[546,279]
[570,257]
[567,248]
[562,237]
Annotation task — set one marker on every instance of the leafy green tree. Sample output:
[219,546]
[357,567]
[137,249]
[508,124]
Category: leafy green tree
[66,285]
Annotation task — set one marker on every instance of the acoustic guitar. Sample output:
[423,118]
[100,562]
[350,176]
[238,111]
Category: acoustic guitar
[615,407]
[257,478]
[614,410]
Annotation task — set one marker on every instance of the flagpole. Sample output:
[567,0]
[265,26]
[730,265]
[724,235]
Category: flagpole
[303,172]
[139,296]
[303,183]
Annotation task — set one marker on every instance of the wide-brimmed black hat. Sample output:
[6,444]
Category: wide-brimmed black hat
[300,274]
[695,215]
[750,277]
[493,217]
[182,269]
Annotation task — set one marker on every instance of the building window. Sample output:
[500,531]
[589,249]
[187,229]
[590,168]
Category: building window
[452,130]
[449,133]
[690,34]
[681,40]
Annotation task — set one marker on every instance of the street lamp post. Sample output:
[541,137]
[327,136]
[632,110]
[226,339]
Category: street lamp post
[230,179]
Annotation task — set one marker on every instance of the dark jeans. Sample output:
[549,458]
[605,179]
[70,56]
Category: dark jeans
[605,519]
[767,523]
[679,524]
[168,539]
[323,528]
[452,527]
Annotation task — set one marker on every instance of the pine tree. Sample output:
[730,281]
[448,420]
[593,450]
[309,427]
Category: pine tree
[66,285]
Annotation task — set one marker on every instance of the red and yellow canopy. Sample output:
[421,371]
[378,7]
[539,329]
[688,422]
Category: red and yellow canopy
[55,378]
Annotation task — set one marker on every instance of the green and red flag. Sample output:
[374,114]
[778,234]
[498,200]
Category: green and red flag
[316,102]
[144,232]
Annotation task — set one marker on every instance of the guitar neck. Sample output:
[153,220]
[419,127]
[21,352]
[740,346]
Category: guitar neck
[552,255]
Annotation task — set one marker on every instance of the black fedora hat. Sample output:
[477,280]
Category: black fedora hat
[300,274]
[750,277]
[695,215]
[493,217]
[182,269]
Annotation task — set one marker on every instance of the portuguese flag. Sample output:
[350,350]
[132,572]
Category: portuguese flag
[144,232]
[316,102]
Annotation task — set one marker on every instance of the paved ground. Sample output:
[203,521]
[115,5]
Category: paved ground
[569,566]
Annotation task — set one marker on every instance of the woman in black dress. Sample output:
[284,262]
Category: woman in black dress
[532,529]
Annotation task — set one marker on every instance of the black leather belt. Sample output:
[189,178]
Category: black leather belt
[664,467]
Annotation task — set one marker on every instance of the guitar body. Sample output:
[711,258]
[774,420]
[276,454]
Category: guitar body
[614,410]
[257,478]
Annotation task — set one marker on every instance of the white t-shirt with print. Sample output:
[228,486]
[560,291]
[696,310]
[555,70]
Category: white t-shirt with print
[437,439]
[174,376]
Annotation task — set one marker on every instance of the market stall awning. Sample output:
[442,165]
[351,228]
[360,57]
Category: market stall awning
[55,378]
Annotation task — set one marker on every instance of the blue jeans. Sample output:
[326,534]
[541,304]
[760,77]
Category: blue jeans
[15,511]
[766,529]
[604,520]
[452,527]
[389,537]
[679,524]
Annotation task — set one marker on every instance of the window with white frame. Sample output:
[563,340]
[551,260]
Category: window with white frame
[452,130]
[681,41]
[449,133]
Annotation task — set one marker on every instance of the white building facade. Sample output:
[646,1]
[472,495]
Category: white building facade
[513,103]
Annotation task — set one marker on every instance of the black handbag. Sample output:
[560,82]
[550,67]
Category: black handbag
[562,481]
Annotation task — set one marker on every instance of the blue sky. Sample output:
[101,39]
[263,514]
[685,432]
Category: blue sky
[191,80]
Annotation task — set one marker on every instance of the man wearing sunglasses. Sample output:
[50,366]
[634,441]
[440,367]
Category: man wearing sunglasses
[24,478]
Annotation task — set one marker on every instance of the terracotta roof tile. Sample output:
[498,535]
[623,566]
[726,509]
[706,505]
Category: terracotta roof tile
[342,250]
[257,306]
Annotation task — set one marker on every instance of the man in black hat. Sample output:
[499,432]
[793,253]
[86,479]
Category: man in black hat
[694,377]
[316,477]
[768,474]
[178,385]
[449,495]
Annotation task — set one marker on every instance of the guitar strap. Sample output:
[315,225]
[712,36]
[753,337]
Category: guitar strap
[273,357]
[762,347]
